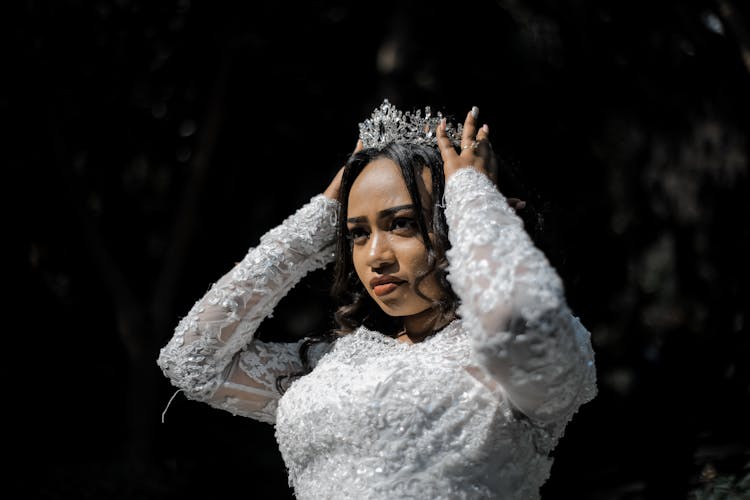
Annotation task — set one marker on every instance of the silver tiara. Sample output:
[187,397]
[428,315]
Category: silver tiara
[388,124]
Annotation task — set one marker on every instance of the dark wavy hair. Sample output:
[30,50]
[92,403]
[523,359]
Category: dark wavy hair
[356,307]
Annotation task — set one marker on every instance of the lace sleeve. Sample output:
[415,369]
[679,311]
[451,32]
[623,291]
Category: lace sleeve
[211,356]
[524,336]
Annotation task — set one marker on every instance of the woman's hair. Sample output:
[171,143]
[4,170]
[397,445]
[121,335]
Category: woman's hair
[357,307]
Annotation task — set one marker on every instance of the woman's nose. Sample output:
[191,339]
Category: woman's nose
[380,252]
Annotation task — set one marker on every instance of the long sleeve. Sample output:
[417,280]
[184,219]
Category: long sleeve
[524,337]
[212,356]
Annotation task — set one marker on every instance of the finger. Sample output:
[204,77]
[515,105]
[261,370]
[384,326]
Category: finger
[516,203]
[484,137]
[470,127]
[359,147]
[484,154]
[483,146]
[484,133]
[444,143]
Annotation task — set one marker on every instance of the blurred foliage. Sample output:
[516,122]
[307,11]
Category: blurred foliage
[722,487]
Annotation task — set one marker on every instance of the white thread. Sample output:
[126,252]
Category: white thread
[169,403]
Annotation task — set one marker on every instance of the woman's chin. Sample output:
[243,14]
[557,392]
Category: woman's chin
[402,312]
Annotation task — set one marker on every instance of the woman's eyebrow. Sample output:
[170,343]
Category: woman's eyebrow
[382,214]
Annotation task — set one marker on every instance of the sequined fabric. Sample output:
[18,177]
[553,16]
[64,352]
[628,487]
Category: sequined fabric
[212,356]
[472,412]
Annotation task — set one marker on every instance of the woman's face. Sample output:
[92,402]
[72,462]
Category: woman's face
[387,251]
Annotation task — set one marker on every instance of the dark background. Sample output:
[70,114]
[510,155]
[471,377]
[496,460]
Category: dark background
[151,143]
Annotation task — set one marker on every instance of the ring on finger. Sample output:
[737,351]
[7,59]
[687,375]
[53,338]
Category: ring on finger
[473,145]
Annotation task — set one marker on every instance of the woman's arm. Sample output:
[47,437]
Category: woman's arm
[211,356]
[512,300]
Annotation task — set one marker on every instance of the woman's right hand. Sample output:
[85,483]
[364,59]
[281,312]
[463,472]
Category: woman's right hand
[332,191]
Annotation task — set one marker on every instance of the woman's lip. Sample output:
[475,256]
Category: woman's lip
[385,288]
[384,279]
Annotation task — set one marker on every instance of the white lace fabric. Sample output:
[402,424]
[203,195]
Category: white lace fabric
[471,412]
[212,356]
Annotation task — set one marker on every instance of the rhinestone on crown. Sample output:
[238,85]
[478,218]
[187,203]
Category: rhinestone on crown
[388,124]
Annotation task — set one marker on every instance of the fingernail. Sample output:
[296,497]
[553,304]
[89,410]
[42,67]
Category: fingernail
[486,128]
[475,112]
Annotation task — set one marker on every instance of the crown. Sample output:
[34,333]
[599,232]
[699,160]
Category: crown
[388,124]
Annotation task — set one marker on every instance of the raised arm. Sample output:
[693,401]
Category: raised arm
[212,356]
[512,300]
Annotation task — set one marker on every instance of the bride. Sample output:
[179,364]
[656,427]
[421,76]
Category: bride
[456,363]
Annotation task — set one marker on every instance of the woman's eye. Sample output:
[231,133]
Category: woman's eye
[357,234]
[402,224]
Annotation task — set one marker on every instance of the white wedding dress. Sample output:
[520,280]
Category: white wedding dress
[472,412]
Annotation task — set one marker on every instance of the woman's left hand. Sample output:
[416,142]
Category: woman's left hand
[476,151]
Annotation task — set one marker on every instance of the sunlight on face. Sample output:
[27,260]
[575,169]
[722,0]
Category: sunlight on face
[388,252]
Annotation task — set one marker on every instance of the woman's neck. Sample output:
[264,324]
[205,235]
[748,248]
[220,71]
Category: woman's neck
[418,327]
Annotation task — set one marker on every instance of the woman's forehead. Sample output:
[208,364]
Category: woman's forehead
[380,185]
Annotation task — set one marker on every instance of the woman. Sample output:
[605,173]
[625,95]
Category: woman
[457,363]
